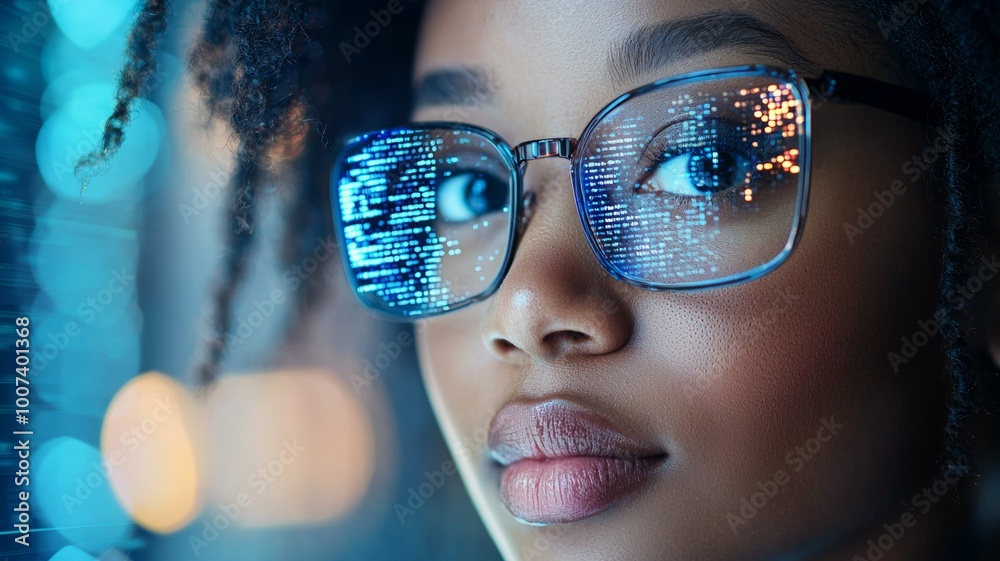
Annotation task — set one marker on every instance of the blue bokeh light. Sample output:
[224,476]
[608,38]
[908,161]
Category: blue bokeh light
[76,498]
[86,269]
[60,89]
[79,366]
[88,23]
[61,56]
[72,553]
[75,129]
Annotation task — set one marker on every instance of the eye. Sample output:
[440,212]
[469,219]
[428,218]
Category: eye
[703,157]
[702,171]
[466,196]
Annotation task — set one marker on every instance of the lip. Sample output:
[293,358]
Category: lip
[561,462]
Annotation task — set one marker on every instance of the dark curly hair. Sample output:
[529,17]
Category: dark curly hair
[271,70]
[139,68]
[952,47]
[270,67]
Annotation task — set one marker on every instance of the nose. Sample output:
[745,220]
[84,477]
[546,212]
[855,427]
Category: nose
[556,301]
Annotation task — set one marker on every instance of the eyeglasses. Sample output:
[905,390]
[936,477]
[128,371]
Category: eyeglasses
[691,182]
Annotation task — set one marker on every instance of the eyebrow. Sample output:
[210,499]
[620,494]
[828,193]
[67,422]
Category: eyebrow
[650,48]
[453,86]
[645,50]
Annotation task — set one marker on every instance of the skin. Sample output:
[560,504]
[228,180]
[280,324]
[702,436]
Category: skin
[729,381]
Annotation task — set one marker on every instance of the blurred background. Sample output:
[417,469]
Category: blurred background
[317,442]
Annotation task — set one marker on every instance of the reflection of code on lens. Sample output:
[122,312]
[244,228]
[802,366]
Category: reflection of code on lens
[425,217]
[697,181]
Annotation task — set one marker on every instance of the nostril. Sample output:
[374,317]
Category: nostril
[504,346]
[526,328]
[569,338]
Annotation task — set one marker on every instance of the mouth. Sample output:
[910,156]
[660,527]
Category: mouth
[561,463]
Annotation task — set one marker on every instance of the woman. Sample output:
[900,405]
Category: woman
[743,336]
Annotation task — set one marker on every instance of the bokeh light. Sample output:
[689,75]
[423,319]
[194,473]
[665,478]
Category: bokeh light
[75,129]
[71,553]
[88,23]
[149,438]
[76,499]
[78,366]
[298,444]
[87,270]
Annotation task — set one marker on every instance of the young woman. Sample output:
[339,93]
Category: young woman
[720,311]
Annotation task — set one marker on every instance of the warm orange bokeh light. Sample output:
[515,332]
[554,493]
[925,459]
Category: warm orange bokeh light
[148,441]
[286,448]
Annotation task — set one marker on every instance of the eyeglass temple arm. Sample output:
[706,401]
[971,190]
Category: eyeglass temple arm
[841,86]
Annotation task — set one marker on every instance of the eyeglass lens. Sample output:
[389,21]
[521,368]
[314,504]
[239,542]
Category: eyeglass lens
[696,181]
[690,182]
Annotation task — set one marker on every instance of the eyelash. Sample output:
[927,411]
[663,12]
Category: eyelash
[727,137]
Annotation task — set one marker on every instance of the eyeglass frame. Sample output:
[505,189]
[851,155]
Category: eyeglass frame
[835,86]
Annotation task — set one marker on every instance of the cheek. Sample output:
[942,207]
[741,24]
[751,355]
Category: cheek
[759,369]
[784,379]
[465,385]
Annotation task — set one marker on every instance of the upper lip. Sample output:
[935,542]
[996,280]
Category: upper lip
[558,428]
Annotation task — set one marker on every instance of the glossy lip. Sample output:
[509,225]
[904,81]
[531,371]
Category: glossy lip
[562,463]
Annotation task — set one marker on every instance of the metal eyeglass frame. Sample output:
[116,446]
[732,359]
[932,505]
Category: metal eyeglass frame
[828,86]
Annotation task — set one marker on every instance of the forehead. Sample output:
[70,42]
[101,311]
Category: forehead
[543,68]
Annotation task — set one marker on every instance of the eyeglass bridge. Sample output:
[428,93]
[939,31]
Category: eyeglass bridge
[544,148]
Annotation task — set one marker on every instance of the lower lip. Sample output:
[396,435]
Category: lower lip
[558,490]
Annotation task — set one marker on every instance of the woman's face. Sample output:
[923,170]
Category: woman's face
[592,419]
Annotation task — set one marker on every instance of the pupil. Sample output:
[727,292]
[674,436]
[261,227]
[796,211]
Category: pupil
[484,197]
[712,171]
[477,202]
